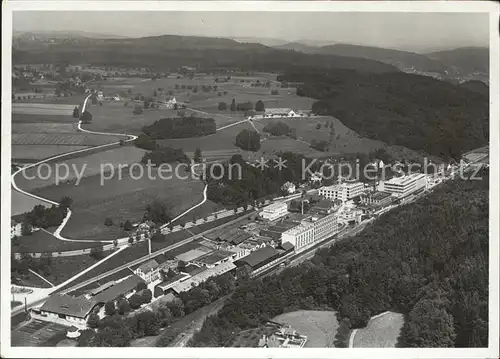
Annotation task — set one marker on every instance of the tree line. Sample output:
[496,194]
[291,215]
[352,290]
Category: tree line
[428,260]
[180,128]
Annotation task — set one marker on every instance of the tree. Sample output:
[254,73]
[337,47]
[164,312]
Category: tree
[223,106]
[147,296]
[146,103]
[108,222]
[248,140]
[197,155]
[259,106]
[233,105]
[76,113]
[66,202]
[97,252]
[86,117]
[123,306]
[127,226]
[137,109]
[93,320]
[176,106]
[318,126]
[181,266]
[141,286]
[26,228]
[135,301]
[157,212]
[109,308]
[157,237]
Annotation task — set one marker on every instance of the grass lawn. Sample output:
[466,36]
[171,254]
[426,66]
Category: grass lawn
[43,127]
[381,332]
[116,118]
[15,303]
[250,338]
[36,153]
[33,281]
[219,141]
[63,268]
[120,199]
[25,118]
[42,241]
[129,254]
[202,211]
[68,139]
[89,165]
[319,326]
[53,109]
[21,203]
[170,239]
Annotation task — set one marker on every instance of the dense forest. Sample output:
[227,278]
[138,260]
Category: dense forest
[169,52]
[428,260]
[185,127]
[417,112]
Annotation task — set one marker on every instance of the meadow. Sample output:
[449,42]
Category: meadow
[43,108]
[381,332]
[89,165]
[33,153]
[120,199]
[21,203]
[44,241]
[319,326]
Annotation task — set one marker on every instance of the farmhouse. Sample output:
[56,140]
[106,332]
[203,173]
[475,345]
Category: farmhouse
[279,112]
[149,271]
[15,229]
[66,310]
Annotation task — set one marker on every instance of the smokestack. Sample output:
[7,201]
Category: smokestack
[149,244]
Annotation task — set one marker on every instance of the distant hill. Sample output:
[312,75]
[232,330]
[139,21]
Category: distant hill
[260,40]
[65,35]
[297,46]
[400,59]
[466,59]
[170,51]
[476,86]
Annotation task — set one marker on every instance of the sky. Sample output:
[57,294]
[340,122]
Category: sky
[407,31]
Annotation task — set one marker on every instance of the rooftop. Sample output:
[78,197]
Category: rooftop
[118,289]
[380,195]
[177,278]
[214,257]
[190,255]
[101,288]
[300,228]
[404,180]
[275,206]
[203,276]
[259,256]
[65,304]
[148,266]
[287,246]
[275,111]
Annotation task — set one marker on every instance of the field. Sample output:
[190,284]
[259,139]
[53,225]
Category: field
[96,198]
[21,203]
[89,165]
[74,139]
[319,326]
[43,127]
[33,153]
[381,332]
[43,108]
[35,119]
[43,241]
[219,141]
[63,268]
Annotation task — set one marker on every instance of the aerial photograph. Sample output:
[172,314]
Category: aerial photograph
[231,179]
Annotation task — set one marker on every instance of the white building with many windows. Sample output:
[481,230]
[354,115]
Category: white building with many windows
[343,191]
[311,231]
[274,211]
[401,187]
